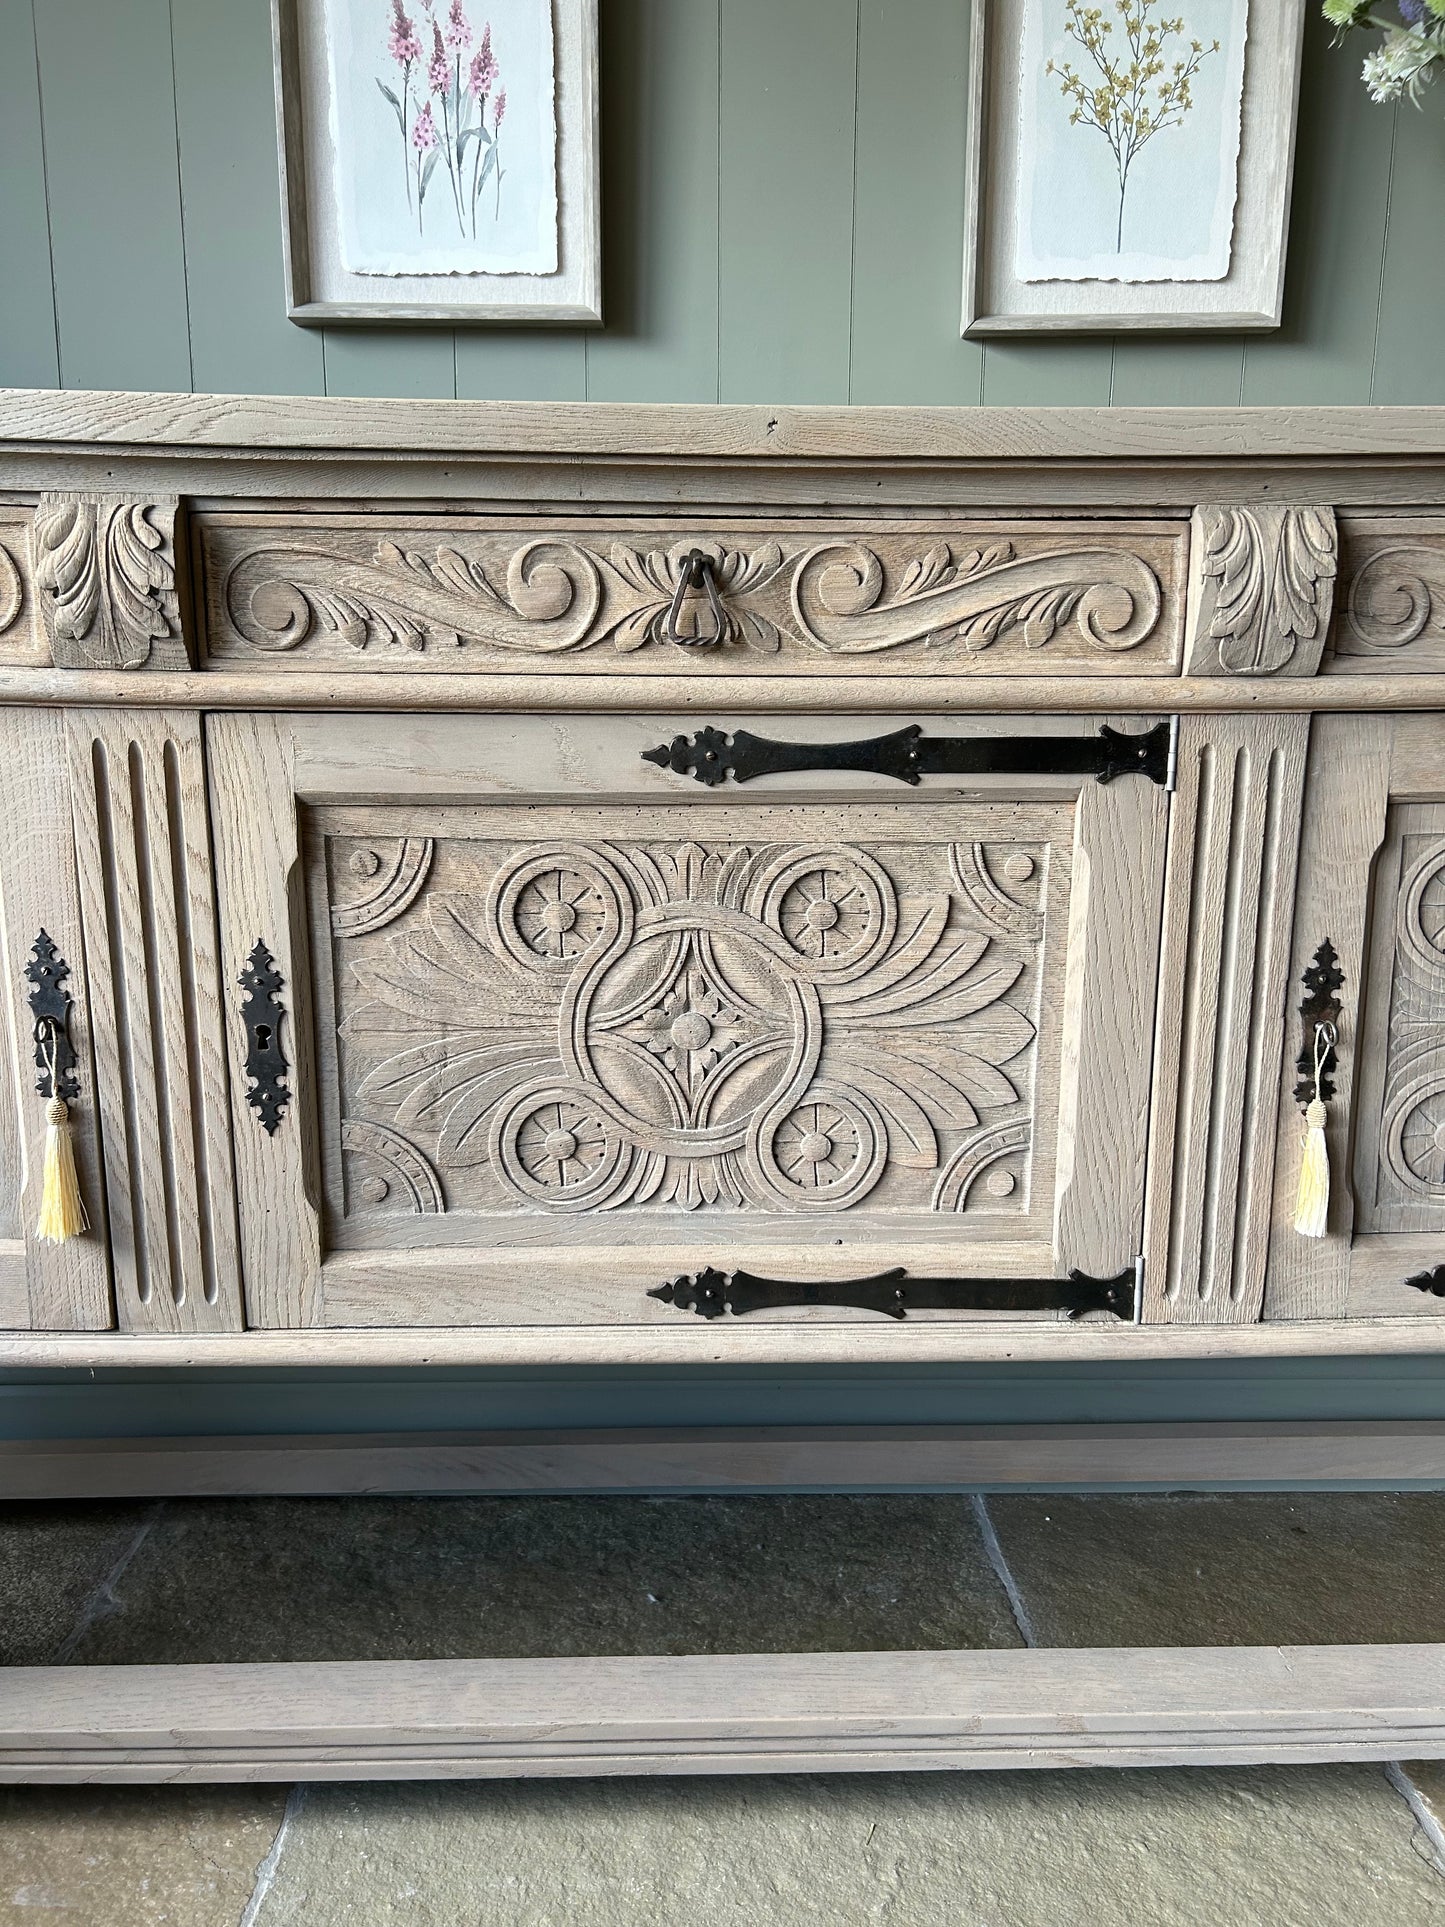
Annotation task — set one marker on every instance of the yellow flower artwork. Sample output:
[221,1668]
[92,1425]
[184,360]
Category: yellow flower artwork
[1129,139]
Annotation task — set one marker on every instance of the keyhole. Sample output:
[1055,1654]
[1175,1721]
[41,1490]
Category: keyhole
[263,1037]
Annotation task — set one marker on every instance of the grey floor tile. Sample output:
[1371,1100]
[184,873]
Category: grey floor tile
[52,1559]
[133,1856]
[1422,1782]
[268,1579]
[1295,1847]
[1247,1569]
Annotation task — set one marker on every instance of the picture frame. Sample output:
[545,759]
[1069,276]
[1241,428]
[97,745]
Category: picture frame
[326,287]
[1009,177]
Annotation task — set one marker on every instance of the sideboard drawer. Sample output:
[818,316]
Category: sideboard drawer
[947,594]
[561,1024]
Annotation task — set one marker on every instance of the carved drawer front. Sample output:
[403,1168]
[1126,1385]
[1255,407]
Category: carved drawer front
[1372,887]
[1067,596]
[582,1025]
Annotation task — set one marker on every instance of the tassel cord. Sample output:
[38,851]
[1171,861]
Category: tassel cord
[1312,1202]
[62,1209]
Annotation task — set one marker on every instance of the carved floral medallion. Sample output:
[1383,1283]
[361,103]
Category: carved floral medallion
[776,1027]
[1412,1134]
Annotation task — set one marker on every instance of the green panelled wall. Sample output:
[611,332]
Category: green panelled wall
[783,212]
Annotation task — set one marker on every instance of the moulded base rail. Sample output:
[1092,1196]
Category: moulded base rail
[742,1713]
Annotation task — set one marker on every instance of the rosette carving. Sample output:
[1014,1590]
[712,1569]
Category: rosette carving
[12,592]
[775,1029]
[1412,1129]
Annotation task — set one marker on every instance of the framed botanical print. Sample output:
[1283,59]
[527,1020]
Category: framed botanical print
[1129,164]
[439,159]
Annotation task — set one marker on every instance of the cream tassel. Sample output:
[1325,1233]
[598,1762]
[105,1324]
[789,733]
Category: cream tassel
[62,1209]
[1312,1204]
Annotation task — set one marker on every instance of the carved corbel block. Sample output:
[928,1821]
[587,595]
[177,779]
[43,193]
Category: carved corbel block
[1261,588]
[105,570]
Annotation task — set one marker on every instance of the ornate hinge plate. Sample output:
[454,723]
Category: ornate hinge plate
[261,1013]
[907,755]
[710,1293]
[50,1003]
[1432,1281]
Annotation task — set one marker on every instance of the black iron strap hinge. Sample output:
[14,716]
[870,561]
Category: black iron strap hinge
[712,755]
[710,1293]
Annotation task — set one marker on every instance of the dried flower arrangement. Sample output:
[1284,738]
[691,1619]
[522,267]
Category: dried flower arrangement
[1410,55]
[446,117]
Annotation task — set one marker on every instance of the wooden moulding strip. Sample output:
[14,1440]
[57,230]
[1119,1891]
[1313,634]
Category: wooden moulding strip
[739,1713]
[56,419]
[695,1342]
[712,697]
[733,1459]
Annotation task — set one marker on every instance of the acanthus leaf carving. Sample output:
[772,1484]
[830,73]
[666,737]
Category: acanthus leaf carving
[562,596]
[767,1029]
[105,573]
[1262,592]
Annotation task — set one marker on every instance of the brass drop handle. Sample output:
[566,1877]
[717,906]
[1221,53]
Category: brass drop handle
[695,575]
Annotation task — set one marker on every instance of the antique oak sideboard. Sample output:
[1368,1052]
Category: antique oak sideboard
[558,884]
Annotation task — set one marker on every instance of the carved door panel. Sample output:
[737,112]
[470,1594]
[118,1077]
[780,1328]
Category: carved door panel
[559,1024]
[1372,888]
[45,1287]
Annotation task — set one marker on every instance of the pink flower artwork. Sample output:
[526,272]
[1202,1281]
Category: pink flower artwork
[439,73]
[483,73]
[404,43]
[439,118]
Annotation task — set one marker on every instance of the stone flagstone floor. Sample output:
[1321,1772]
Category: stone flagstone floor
[259,1579]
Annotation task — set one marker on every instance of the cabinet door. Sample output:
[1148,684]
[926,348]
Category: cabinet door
[1372,885]
[560,1024]
[45,1287]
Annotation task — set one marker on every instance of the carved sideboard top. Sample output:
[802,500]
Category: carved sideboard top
[259,548]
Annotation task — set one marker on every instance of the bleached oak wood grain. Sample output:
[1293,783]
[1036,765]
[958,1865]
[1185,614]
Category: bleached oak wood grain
[144,855]
[1234,834]
[1241,435]
[67,1285]
[253,824]
[855,1712]
[692,1341]
[1347,780]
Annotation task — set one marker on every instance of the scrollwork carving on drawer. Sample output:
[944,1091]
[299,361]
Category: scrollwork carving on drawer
[1087,595]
